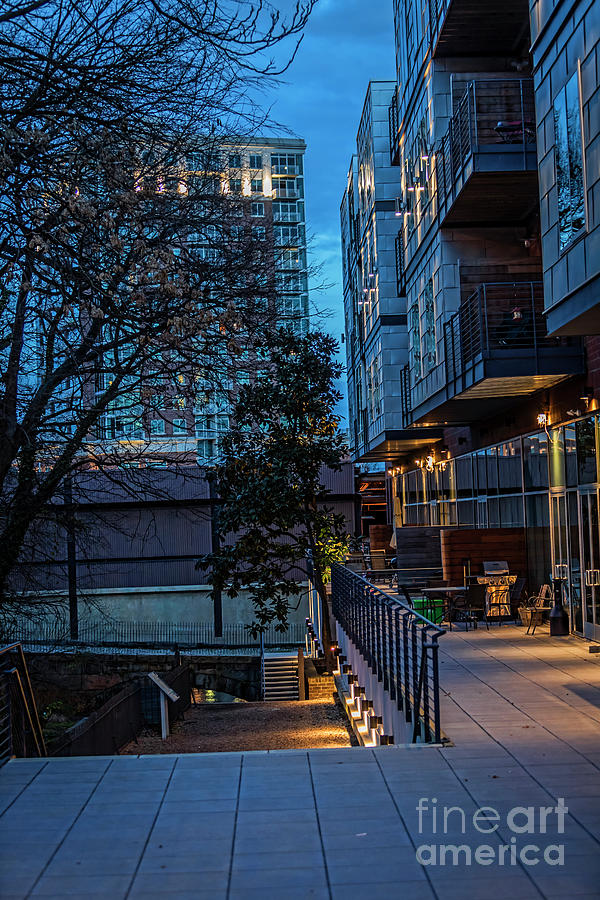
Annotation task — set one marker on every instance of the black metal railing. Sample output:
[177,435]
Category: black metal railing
[495,112]
[496,317]
[437,14]
[186,634]
[405,397]
[20,729]
[394,124]
[400,264]
[399,645]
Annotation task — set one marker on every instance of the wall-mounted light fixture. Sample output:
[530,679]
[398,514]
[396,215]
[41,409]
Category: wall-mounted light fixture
[587,395]
[542,419]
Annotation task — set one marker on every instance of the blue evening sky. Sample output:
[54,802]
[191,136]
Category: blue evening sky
[347,44]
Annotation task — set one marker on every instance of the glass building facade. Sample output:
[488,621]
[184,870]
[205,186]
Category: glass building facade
[546,483]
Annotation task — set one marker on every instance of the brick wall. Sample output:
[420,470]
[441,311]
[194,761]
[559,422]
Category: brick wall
[479,545]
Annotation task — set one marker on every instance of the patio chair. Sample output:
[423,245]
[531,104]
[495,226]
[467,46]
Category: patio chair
[378,560]
[541,599]
[475,605]
[355,561]
[466,607]
[516,592]
[532,612]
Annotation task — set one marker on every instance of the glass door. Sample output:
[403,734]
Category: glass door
[560,546]
[575,585]
[590,568]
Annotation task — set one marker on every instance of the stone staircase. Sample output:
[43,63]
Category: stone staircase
[280,677]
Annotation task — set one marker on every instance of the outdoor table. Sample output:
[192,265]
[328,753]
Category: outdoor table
[444,593]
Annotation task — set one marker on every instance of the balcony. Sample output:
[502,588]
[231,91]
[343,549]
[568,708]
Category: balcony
[464,28]
[486,164]
[394,130]
[495,348]
[285,170]
[496,345]
[283,190]
[400,264]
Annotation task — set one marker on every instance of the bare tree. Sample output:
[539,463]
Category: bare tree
[112,307]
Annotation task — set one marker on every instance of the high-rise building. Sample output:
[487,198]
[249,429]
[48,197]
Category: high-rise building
[259,183]
[497,173]
[374,288]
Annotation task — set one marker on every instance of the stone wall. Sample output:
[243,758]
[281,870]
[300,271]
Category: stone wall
[84,676]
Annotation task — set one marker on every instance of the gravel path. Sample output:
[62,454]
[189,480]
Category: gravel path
[210,728]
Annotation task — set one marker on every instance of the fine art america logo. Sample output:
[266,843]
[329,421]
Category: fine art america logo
[531,831]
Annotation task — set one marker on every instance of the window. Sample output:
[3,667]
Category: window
[287,235]
[286,164]
[286,212]
[206,449]
[235,161]
[259,232]
[237,232]
[255,161]
[235,185]
[569,162]
[258,209]
[256,185]
[285,187]
[289,259]
[414,341]
[428,341]
[179,426]
[157,426]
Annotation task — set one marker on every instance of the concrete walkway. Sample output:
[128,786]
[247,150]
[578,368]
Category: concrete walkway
[524,717]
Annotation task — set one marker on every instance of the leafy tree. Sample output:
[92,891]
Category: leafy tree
[272,503]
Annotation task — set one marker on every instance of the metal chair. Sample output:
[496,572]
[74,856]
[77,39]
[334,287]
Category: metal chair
[475,605]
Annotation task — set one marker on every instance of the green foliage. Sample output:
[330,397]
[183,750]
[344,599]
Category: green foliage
[269,479]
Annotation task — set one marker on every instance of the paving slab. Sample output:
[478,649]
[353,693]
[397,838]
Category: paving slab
[523,716]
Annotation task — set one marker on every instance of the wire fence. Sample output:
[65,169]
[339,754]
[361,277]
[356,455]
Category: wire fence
[163,634]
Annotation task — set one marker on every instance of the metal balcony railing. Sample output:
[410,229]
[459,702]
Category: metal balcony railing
[496,317]
[405,397]
[496,112]
[285,192]
[400,264]
[399,645]
[394,132]
[437,14]
[285,170]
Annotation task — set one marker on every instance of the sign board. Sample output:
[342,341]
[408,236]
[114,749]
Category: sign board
[166,690]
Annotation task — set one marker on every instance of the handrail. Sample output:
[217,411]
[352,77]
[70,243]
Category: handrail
[27,696]
[393,599]
[399,644]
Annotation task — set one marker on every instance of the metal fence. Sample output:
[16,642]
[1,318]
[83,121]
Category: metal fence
[20,729]
[399,645]
[492,112]
[165,634]
[496,317]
